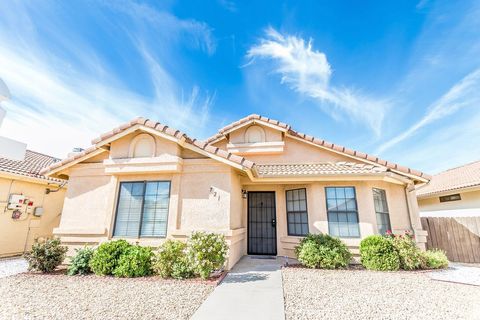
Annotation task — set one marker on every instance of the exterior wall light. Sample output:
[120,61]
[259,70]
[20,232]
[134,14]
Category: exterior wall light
[244,194]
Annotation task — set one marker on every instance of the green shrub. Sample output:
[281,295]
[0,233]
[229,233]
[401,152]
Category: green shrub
[207,252]
[135,261]
[45,256]
[171,260]
[106,257]
[81,262]
[435,259]
[379,253]
[323,251]
[411,257]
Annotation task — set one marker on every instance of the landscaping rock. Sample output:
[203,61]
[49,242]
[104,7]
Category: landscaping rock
[57,296]
[362,294]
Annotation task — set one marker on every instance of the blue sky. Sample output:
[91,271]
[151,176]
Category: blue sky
[397,79]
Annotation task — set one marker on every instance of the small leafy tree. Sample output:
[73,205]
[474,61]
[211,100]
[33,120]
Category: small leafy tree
[46,256]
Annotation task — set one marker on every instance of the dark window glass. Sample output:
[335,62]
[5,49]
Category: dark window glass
[381,209]
[142,209]
[297,215]
[342,212]
[452,197]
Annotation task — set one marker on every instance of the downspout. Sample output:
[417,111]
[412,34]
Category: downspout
[409,206]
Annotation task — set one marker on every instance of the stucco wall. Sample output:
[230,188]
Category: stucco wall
[18,235]
[317,211]
[470,200]
[207,195]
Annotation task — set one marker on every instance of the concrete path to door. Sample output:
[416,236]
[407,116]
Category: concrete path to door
[251,290]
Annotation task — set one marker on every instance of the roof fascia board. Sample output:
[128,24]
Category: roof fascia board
[69,164]
[16,176]
[447,192]
[254,121]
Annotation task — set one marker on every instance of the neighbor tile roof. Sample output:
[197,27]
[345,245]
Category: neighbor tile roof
[282,126]
[465,176]
[327,168]
[31,166]
[160,128]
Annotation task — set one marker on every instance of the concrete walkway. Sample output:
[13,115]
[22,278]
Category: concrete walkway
[459,273]
[12,266]
[251,290]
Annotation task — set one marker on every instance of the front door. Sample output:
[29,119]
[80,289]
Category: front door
[262,224]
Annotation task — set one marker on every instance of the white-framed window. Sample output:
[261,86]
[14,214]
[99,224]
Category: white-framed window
[142,209]
[342,212]
[381,210]
[297,214]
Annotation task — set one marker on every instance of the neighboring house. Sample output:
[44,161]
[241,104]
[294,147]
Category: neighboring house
[452,193]
[258,181]
[27,212]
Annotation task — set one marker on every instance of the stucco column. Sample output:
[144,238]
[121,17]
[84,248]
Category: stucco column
[414,212]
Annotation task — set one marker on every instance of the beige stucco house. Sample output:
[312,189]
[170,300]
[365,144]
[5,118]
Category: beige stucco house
[258,181]
[452,193]
[27,210]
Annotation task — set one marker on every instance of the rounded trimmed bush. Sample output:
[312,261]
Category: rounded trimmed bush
[435,259]
[80,264]
[135,261]
[379,253]
[170,260]
[45,256]
[106,257]
[323,251]
[207,252]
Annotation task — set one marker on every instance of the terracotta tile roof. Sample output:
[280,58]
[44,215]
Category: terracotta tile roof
[316,169]
[465,176]
[31,166]
[320,142]
[160,128]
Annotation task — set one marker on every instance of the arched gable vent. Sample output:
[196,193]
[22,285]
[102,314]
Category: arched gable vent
[254,134]
[142,146]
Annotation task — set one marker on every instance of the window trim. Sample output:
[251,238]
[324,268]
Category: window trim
[306,211]
[388,208]
[356,211]
[141,213]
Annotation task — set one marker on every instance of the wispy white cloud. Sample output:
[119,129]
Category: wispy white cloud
[308,72]
[464,94]
[59,102]
[228,5]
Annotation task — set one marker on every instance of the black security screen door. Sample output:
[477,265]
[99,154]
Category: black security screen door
[262,231]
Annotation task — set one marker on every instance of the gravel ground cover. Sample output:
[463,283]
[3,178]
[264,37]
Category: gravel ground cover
[361,294]
[57,296]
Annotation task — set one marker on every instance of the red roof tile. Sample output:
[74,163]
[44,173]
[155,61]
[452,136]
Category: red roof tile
[455,179]
[161,128]
[31,166]
[282,126]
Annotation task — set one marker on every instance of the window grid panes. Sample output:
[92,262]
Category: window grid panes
[297,215]
[342,212]
[381,209]
[142,209]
